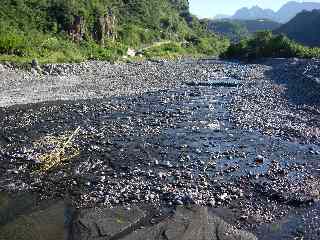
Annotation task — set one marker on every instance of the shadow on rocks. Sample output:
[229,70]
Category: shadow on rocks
[185,223]
[300,77]
[23,217]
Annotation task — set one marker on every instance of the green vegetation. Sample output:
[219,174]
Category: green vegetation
[265,44]
[228,28]
[238,29]
[259,25]
[205,46]
[41,29]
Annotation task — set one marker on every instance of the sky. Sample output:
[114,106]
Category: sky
[210,8]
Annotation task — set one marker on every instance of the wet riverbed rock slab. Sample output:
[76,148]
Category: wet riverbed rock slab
[189,224]
[42,224]
[105,223]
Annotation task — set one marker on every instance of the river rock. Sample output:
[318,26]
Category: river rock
[35,65]
[12,206]
[43,224]
[105,223]
[131,52]
[2,69]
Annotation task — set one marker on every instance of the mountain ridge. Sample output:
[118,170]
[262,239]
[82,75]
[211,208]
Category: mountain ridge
[283,15]
[303,28]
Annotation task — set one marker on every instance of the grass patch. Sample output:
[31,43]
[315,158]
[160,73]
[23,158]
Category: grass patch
[198,48]
[170,50]
[20,47]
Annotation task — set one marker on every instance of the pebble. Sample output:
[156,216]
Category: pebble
[179,202]
[212,203]
[167,164]
[223,197]
[162,175]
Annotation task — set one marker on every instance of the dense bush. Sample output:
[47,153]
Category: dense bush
[16,45]
[203,46]
[265,44]
[12,42]
[231,29]
[211,46]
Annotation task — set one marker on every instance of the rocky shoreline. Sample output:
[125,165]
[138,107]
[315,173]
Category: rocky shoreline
[147,137]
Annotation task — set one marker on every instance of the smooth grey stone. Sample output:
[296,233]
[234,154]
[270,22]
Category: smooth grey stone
[191,224]
[105,223]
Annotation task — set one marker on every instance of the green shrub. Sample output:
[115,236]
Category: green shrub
[110,52]
[265,44]
[12,42]
[134,35]
[166,50]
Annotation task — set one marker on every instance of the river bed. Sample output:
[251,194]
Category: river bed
[176,146]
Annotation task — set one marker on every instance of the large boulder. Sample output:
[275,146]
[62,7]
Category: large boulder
[190,224]
[193,223]
[105,223]
[43,224]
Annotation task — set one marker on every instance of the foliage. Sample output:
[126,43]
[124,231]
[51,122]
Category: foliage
[110,52]
[19,46]
[204,46]
[210,46]
[166,50]
[231,29]
[38,29]
[259,25]
[235,30]
[265,44]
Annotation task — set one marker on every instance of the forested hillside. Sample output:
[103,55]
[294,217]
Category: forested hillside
[228,28]
[304,28]
[75,30]
[235,30]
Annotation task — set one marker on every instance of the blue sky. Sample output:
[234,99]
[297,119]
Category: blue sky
[210,8]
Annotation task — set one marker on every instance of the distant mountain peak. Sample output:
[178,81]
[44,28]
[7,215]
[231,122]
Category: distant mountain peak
[255,12]
[256,7]
[288,11]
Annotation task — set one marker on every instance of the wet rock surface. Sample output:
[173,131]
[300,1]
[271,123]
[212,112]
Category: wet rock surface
[21,218]
[105,223]
[192,223]
[247,150]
